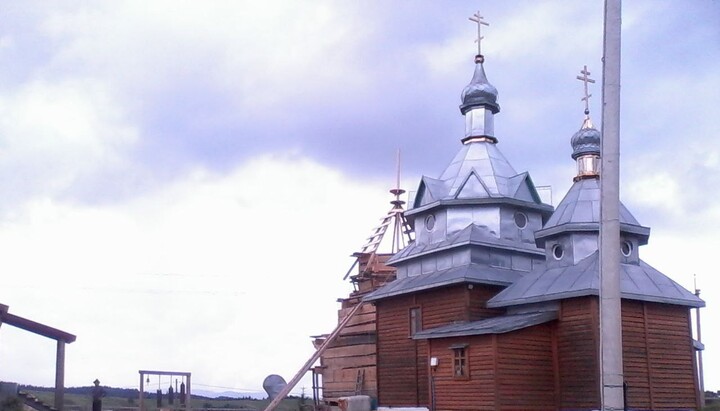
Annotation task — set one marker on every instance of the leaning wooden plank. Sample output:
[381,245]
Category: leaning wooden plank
[308,364]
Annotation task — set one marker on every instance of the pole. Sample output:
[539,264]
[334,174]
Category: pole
[701,377]
[60,375]
[141,394]
[611,361]
[330,338]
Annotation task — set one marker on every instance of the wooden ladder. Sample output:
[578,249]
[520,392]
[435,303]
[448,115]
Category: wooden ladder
[308,364]
[359,381]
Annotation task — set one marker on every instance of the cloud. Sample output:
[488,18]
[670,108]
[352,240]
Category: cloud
[148,151]
[212,270]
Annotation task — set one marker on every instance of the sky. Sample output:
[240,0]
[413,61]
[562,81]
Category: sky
[183,183]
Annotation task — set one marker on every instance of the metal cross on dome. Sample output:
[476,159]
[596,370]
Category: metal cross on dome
[586,79]
[477,18]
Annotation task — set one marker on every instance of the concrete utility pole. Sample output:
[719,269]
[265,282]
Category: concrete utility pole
[611,361]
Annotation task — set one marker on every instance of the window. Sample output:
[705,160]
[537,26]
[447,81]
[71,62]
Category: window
[415,320]
[557,251]
[460,362]
[626,248]
[520,220]
[430,222]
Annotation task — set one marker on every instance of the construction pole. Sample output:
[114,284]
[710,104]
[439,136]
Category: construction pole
[330,338]
[611,361]
[60,375]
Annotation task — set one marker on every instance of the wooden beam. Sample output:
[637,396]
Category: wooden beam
[60,375]
[308,364]
[37,328]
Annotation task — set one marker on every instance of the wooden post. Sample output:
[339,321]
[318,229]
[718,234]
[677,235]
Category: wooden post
[141,395]
[60,375]
[701,376]
[187,394]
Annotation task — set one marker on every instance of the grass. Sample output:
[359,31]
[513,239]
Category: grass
[84,403]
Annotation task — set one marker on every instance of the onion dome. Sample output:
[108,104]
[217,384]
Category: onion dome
[586,141]
[479,93]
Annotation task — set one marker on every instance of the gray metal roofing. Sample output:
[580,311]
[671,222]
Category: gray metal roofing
[637,282]
[479,170]
[495,325]
[470,273]
[580,209]
[473,234]
[479,92]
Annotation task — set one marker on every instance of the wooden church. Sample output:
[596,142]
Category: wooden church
[495,302]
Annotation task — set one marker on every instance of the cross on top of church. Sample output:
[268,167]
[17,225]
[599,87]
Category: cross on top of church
[586,79]
[477,18]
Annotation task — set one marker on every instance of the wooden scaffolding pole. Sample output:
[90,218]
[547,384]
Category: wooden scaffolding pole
[308,364]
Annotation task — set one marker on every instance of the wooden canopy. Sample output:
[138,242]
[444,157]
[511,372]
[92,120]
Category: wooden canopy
[60,336]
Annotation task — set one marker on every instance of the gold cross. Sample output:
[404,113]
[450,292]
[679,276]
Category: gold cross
[585,79]
[477,18]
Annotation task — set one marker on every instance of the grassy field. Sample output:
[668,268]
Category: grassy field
[79,402]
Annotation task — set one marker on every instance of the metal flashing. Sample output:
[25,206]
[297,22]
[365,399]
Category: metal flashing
[471,235]
[637,282]
[495,325]
[469,273]
[542,207]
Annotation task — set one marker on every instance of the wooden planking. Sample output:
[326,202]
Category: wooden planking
[349,362]
[477,302]
[397,354]
[443,306]
[525,370]
[354,339]
[671,357]
[349,351]
[475,393]
[403,375]
[577,350]
[635,355]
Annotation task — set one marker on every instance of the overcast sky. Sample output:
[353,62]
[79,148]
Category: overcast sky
[182,183]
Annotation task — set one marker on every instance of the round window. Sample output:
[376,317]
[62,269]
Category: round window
[626,248]
[430,222]
[557,251]
[520,220]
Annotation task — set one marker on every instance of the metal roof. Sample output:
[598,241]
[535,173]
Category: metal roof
[637,282]
[580,211]
[495,325]
[586,140]
[469,273]
[479,170]
[471,235]
[479,92]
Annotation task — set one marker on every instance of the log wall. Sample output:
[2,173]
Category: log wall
[403,374]
[352,354]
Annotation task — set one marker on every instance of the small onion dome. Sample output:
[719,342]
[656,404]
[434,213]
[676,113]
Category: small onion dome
[479,92]
[586,140]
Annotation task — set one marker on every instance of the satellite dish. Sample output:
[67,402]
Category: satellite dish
[273,384]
